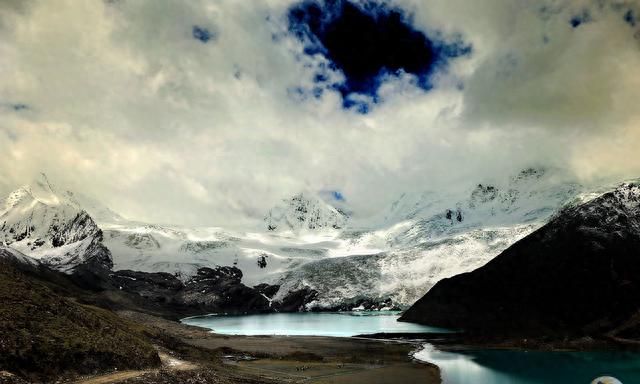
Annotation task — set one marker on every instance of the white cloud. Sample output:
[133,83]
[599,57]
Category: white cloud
[124,104]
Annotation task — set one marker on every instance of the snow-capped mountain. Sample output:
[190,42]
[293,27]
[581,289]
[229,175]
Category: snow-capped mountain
[425,237]
[305,211]
[400,272]
[306,242]
[532,193]
[50,226]
[531,196]
[262,256]
[578,275]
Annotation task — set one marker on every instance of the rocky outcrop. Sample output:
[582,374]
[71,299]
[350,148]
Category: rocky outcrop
[267,290]
[367,305]
[158,287]
[577,275]
[220,290]
[296,301]
[211,290]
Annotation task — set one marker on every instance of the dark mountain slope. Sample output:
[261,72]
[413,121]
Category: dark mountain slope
[577,275]
[43,334]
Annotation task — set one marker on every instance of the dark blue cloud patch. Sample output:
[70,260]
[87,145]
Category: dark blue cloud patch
[15,107]
[202,34]
[299,93]
[337,195]
[359,105]
[317,92]
[369,42]
[630,17]
[332,195]
[19,107]
[599,10]
[320,78]
[581,18]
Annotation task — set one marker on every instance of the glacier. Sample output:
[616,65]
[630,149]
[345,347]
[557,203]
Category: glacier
[303,242]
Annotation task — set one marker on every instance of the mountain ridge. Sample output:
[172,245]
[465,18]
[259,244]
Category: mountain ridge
[446,234]
[577,275]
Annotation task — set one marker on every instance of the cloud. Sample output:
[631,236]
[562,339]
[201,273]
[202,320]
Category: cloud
[202,34]
[207,112]
[576,78]
[368,43]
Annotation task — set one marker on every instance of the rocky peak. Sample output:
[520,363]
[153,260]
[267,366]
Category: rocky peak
[45,224]
[230,274]
[483,193]
[305,211]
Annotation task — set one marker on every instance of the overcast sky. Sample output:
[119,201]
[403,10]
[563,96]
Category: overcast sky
[209,111]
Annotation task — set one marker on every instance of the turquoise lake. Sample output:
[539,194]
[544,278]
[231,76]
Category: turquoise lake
[338,324]
[532,367]
[483,366]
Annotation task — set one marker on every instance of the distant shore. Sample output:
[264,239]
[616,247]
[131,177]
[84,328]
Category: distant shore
[452,341]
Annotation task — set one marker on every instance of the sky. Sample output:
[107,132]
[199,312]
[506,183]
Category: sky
[208,112]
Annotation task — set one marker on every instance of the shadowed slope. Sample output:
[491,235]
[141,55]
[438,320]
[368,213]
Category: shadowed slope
[577,275]
[44,335]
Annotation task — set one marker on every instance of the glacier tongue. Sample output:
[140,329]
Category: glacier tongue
[401,273]
[427,236]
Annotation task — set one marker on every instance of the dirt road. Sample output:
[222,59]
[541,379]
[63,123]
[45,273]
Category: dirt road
[168,362]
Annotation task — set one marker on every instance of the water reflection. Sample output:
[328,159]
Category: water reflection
[531,367]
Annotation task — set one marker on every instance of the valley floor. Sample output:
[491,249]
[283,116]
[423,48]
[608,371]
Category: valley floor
[201,356]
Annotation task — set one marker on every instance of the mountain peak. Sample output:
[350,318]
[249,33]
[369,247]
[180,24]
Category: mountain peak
[305,211]
[42,190]
[50,226]
[577,274]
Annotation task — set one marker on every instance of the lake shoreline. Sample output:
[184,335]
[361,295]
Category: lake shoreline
[461,341]
[370,358]
[392,357]
[317,359]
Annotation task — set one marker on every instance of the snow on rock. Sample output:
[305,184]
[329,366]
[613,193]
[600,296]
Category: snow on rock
[587,258]
[425,237]
[401,274]
[305,212]
[531,195]
[50,226]
[262,257]
[13,255]
[306,243]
